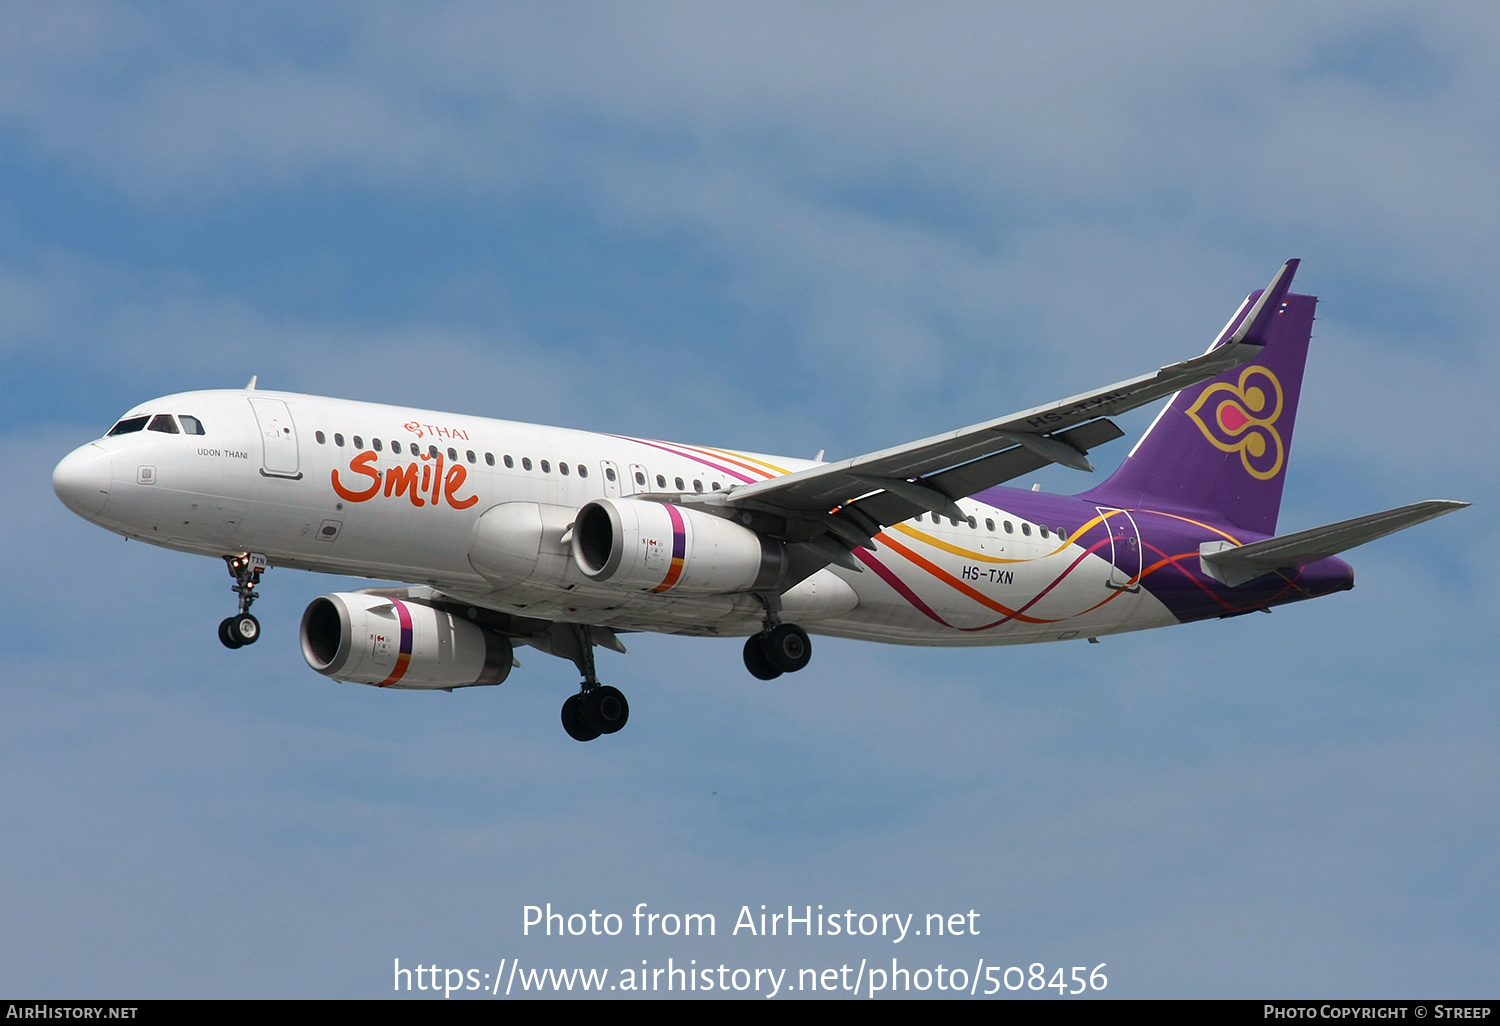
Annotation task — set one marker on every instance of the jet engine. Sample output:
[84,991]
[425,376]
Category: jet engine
[659,547]
[399,643]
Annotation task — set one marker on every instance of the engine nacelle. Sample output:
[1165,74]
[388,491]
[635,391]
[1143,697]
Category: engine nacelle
[522,543]
[659,547]
[399,643]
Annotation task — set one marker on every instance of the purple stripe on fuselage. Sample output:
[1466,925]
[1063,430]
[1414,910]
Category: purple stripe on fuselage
[888,575]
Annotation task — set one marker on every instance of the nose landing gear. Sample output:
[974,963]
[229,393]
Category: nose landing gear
[243,629]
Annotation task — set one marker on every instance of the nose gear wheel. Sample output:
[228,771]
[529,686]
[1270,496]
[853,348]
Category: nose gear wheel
[238,631]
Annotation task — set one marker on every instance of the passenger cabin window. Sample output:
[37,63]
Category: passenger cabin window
[396,448]
[489,459]
[609,473]
[375,442]
[1009,529]
[322,438]
[359,443]
[640,478]
[128,426]
[989,525]
[510,464]
[164,423]
[546,467]
[432,452]
[562,468]
[1043,530]
[452,455]
[525,462]
[661,482]
[191,425]
[680,486]
[582,470]
[338,439]
[697,486]
[1026,530]
[469,455]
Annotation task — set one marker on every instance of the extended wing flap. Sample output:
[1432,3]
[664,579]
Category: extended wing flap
[1233,565]
[888,507]
[1012,463]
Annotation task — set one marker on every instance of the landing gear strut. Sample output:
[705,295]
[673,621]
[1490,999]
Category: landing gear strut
[243,629]
[779,648]
[597,708]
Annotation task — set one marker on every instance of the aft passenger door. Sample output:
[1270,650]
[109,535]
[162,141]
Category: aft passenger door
[278,436]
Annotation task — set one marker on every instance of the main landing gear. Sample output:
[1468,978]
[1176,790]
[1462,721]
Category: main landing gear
[243,629]
[779,648]
[597,708]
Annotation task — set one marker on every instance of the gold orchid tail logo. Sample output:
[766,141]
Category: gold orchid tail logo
[1243,420]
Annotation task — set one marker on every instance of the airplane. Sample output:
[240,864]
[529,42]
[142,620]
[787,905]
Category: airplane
[563,540]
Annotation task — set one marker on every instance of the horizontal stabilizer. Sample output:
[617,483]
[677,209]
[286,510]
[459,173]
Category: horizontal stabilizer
[1233,565]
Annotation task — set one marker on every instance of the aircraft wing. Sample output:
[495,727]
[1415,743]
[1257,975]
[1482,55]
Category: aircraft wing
[886,487]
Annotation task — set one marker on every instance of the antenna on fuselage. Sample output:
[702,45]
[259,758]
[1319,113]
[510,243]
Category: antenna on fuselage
[250,385]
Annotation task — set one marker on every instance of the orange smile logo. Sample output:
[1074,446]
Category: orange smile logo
[434,487]
[1244,419]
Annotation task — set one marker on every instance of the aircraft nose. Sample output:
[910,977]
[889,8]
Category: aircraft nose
[82,480]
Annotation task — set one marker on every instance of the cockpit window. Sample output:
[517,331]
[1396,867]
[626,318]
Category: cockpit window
[191,425]
[128,425]
[164,423]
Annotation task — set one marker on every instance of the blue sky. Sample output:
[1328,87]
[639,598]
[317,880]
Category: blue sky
[786,230]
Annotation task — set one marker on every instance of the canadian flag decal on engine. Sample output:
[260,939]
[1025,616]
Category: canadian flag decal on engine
[656,554]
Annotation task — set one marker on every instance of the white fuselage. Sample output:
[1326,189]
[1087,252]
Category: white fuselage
[343,487]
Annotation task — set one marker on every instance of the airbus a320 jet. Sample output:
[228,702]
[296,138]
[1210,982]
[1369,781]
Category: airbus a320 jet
[562,540]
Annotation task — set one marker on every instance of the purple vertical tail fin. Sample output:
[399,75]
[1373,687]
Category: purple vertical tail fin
[1219,450]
